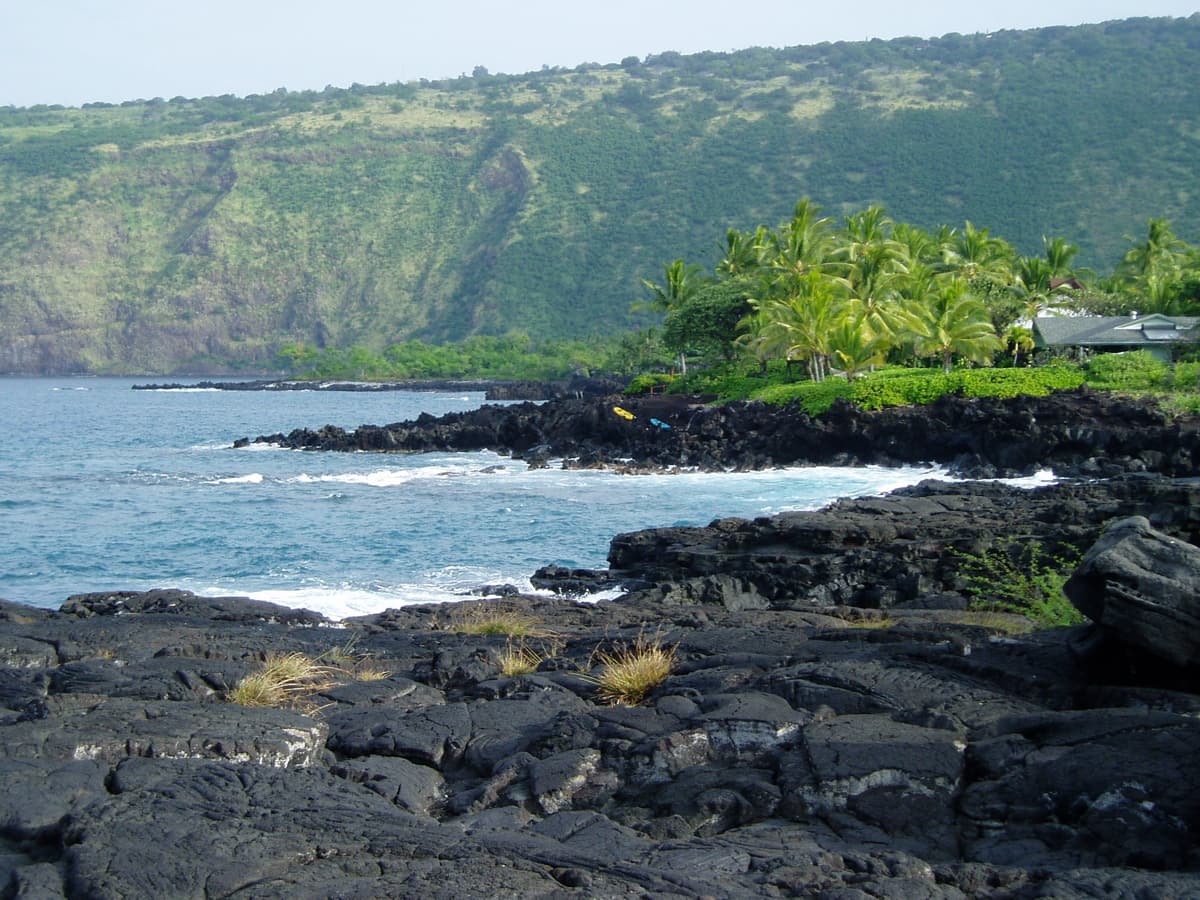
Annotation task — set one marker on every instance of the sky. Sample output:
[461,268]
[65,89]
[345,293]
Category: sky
[72,52]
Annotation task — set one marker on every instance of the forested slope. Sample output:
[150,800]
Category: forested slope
[199,234]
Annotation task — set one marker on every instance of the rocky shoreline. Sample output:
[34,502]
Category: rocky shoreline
[837,724]
[1082,433]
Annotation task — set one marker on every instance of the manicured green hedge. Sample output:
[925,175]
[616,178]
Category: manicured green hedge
[1187,376]
[814,397]
[1134,371]
[923,386]
[1016,382]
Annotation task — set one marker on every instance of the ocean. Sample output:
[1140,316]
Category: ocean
[107,488]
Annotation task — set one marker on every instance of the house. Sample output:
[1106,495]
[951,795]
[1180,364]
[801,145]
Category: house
[1159,334]
[1057,284]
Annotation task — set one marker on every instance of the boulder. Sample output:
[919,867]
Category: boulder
[1142,587]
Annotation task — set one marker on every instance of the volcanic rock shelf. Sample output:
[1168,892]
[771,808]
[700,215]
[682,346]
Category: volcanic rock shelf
[835,725]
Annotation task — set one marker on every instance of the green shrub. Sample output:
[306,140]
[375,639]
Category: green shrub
[814,398]
[649,382]
[1137,370]
[914,387]
[1180,404]
[734,386]
[1187,376]
[1016,382]
[727,382]
[1021,577]
[919,387]
[900,372]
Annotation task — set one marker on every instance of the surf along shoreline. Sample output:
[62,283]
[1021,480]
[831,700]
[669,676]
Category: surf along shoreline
[1079,433]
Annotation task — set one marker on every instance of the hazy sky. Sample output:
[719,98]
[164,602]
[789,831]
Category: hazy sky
[77,51]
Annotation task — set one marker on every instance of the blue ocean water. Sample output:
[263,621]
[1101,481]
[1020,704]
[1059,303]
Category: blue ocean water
[105,488]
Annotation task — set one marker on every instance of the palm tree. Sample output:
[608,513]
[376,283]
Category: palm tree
[973,254]
[744,252]
[873,266]
[854,348]
[801,322]
[681,281]
[1160,253]
[798,291]
[919,246]
[1059,255]
[1031,286]
[954,323]
[1019,340]
[865,229]
[1152,268]
[802,244]
[874,281]
[758,339]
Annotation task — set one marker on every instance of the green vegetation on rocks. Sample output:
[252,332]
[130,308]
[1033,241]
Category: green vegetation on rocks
[1021,577]
[914,387]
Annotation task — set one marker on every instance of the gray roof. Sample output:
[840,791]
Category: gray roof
[1113,331]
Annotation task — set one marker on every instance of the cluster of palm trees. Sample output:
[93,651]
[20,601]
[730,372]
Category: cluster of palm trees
[1162,271]
[841,298]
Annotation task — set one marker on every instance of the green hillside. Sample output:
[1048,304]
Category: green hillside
[202,234]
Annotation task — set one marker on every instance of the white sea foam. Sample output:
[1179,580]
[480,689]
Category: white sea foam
[252,478]
[185,390]
[1037,479]
[339,603]
[395,477]
[342,602]
[447,584]
[378,478]
[601,596]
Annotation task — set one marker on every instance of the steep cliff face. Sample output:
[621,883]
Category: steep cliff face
[192,257]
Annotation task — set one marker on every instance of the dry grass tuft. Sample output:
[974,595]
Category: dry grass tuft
[286,679]
[494,618]
[297,667]
[629,673]
[366,671]
[519,659]
[881,622]
[257,689]
[1003,622]
[343,656]
[348,663]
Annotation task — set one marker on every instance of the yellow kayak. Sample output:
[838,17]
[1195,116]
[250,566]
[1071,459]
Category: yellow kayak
[623,413]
